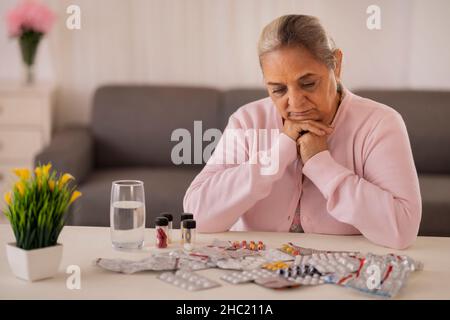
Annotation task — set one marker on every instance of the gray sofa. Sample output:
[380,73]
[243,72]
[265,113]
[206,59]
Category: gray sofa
[130,138]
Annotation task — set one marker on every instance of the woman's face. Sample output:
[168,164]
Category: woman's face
[301,87]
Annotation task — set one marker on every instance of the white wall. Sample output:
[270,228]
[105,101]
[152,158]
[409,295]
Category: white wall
[213,42]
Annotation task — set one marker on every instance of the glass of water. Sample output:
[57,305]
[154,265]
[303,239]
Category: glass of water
[127,214]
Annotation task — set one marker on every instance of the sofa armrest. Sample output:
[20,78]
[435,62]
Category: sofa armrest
[71,150]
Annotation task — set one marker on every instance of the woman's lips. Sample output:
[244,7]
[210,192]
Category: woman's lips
[294,114]
[300,114]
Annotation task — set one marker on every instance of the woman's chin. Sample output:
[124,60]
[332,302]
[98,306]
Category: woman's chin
[304,118]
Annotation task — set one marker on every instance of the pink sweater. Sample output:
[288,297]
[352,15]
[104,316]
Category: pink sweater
[366,183]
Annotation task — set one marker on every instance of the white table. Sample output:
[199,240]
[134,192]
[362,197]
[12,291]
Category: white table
[84,244]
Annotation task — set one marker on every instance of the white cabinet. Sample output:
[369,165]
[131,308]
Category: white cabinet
[25,127]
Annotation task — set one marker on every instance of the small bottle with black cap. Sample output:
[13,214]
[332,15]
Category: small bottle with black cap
[189,234]
[161,230]
[169,217]
[184,216]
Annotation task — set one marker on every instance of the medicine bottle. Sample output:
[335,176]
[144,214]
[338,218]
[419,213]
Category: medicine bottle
[189,234]
[170,226]
[161,230]
[184,216]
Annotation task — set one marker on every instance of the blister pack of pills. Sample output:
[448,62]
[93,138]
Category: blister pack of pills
[221,244]
[380,275]
[188,261]
[302,274]
[295,250]
[246,263]
[188,280]
[247,276]
[309,280]
[241,253]
[154,263]
[276,282]
[337,263]
[275,265]
[271,255]
[298,271]
[212,253]
[249,245]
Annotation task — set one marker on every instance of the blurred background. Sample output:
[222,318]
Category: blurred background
[108,95]
[213,43]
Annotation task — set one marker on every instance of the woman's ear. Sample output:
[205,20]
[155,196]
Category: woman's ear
[337,69]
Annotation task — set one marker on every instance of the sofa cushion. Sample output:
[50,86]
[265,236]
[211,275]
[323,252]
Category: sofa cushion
[435,190]
[132,125]
[233,99]
[164,191]
[426,115]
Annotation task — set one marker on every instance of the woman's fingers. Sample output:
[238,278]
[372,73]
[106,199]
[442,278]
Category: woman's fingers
[294,128]
[320,125]
[314,127]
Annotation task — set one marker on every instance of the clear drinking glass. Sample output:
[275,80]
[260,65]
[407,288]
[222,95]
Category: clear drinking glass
[127,214]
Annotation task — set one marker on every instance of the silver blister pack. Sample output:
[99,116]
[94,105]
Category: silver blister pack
[188,280]
[247,276]
[154,263]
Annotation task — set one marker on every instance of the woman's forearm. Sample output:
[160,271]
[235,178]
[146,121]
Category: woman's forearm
[384,204]
[221,194]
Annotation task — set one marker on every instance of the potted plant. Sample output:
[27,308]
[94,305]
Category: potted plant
[37,209]
[29,21]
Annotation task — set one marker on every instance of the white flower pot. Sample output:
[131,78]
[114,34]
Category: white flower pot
[34,264]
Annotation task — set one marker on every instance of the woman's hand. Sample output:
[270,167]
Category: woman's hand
[293,128]
[309,144]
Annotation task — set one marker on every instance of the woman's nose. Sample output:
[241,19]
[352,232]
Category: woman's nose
[296,101]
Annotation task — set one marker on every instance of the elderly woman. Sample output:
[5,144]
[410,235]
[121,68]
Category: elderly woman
[345,162]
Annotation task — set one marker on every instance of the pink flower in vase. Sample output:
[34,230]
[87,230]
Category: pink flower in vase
[29,15]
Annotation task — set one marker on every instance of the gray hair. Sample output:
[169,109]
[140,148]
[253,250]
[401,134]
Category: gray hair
[298,30]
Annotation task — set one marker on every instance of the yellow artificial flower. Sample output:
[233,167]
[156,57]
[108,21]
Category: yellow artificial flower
[8,198]
[20,187]
[51,185]
[75,195]
[46,168]
[22,173]
[65,178]
[38,172]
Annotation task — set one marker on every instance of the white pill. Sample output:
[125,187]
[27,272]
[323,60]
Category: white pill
[351,267]
[331,269]
[320,269]
[341,269]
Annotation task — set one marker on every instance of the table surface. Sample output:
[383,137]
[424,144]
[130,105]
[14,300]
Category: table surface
[82,245]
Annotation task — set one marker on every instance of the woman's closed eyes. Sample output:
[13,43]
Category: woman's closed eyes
[306,86]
